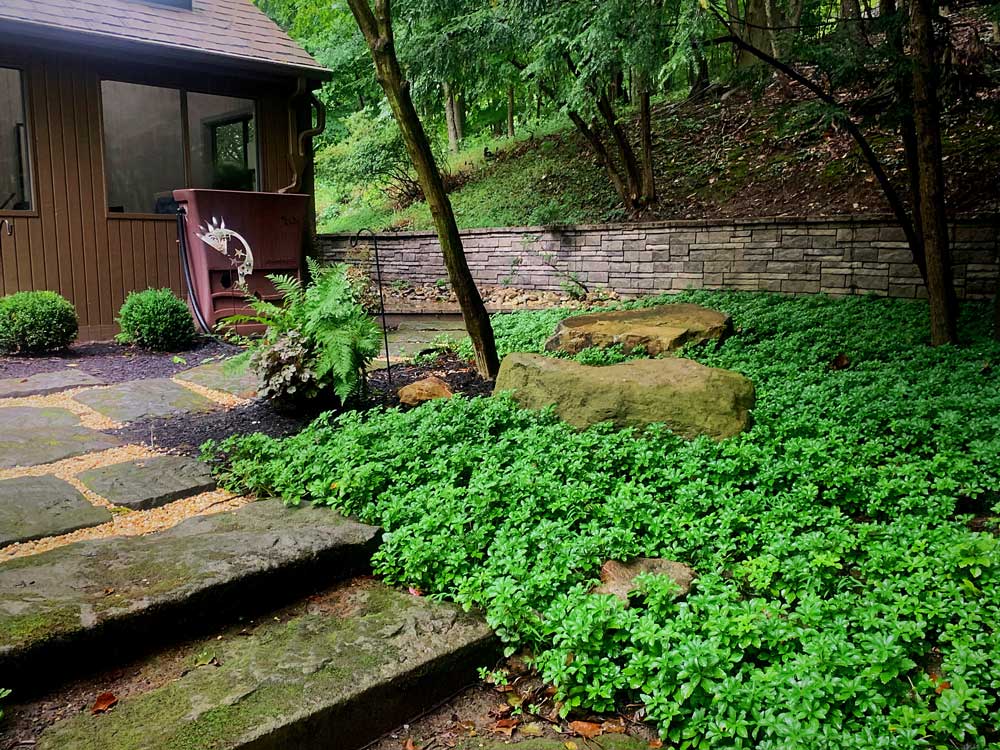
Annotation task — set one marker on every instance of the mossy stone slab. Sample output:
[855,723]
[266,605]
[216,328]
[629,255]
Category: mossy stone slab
[150,482]
[46,382]
[31,436]
[62,610]
[37,507]
[235,379]
[143,399]
[327,679]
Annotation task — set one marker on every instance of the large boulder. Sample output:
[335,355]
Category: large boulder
[687,397]
[665,328]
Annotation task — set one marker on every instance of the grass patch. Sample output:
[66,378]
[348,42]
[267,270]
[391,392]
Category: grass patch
[843,599]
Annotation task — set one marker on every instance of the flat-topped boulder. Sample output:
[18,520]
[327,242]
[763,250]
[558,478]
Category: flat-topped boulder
[660,329]
[689,398]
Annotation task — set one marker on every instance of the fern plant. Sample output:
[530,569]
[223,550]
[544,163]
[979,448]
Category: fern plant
[327,322]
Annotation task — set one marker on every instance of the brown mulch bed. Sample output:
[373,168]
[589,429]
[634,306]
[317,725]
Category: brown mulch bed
[114,363]
[186,433]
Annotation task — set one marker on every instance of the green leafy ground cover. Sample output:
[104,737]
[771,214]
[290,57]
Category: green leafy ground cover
[846,596]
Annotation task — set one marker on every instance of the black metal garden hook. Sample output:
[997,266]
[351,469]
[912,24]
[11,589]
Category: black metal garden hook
[381,296]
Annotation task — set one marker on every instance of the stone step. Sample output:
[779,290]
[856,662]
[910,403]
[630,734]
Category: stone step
[355,663]
[96,602]
[602,742]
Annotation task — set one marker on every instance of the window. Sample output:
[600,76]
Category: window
[146,133]
[15,165]
[223,142]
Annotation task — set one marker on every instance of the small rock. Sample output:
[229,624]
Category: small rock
[427,389]
[618,578]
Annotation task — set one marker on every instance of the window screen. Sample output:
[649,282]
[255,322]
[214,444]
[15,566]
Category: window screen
[143,146]
[223,138]
[15,166]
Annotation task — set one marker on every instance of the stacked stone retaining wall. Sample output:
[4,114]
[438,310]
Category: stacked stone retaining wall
[853,255]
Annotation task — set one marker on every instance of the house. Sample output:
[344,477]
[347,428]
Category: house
[107,106]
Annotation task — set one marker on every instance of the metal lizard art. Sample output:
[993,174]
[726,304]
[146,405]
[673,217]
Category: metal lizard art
[217,236]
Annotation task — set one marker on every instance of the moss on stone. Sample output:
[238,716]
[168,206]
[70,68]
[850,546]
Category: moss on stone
[303,666]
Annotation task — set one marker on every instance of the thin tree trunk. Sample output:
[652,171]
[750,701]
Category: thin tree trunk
[996,32]
[510,111]
[892,196]
[772,32]
[646,128]
[933,217]
[700,80]
[458,107]
[449,116]
[377,30]
[633,179]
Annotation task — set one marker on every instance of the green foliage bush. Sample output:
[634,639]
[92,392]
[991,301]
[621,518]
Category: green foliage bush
[319,339]
[843,598]
[3,694]
[156,319]
[35,322]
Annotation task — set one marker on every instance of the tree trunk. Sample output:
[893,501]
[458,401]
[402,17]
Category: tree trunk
[458,108]
[449,116]
[633,179]
[646,128]
[933,217]
[510,111]
[996,32]
[377,30]
[700,80]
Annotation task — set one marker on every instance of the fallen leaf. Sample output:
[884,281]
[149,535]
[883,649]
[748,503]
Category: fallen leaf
[654,744]
[942,686]
[570,745]
[408,745]
[205,658]
[104,702]
[415,591]
[614,726]
[586,729]
[506,726]
[532,730]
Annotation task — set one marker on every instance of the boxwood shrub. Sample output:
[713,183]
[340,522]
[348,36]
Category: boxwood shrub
[36,322]
[156,319]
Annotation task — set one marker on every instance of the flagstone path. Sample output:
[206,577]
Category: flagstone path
[49,418]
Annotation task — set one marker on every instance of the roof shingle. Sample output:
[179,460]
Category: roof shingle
[230,28]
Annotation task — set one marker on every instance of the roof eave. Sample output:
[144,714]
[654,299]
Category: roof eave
[98,43]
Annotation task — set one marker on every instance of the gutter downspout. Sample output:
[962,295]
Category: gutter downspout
[297,139]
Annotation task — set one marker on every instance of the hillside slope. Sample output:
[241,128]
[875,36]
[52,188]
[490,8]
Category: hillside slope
[773,156]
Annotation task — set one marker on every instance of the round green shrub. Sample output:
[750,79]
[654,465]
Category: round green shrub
[35,322]
[156,319]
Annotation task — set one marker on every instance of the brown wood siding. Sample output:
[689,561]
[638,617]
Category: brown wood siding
[69,242]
